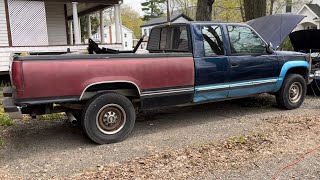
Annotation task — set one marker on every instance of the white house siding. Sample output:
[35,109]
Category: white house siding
[28,23]
[3,25]
[309,21]
[146,30]
[127,36]
[4,61]
[56,23]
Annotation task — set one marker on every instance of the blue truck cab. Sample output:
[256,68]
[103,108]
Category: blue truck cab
[232,61]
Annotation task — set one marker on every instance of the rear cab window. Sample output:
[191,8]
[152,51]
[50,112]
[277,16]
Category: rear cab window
[174,38]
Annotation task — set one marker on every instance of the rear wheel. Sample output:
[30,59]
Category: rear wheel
[292,93]
[108,118]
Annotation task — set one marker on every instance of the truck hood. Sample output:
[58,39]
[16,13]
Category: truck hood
[306,40]
[275,28]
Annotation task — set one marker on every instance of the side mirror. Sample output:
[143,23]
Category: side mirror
[270,49]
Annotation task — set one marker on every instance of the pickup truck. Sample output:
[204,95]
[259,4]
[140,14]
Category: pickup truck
[187,63]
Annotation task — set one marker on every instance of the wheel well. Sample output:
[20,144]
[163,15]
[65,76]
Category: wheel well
[299,70]
[124,88]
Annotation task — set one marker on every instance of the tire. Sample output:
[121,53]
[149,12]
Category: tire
[108,118]
[292,93]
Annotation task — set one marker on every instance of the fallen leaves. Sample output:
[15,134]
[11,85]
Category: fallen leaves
[233,153]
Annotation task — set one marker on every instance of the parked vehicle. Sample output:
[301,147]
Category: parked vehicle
[307,41]
[187,63]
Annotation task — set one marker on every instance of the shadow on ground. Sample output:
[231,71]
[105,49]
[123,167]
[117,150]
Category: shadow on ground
[36,136]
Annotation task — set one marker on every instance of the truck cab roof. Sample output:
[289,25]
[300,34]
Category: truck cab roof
[202,23]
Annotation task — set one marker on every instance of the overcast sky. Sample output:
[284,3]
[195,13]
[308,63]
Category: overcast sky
[135,4]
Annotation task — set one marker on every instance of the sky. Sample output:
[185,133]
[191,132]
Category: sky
[135,4]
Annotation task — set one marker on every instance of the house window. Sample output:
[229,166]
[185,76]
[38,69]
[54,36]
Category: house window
[125,44]
[105,35]
[125,35]
[145,32]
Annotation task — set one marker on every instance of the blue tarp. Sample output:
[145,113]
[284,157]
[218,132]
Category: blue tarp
[275,28]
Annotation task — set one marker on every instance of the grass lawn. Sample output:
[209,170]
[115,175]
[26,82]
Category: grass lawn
[5,121]
[4,118]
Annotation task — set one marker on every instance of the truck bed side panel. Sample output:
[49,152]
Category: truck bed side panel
[69,78]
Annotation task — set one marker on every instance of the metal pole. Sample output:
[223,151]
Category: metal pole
[168,11]
[71,33]
[89,26]
[117,22]
[102,38]
[76,23]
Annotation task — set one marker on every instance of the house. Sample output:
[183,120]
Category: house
[291,6]
[110,35]
[147,26]
[49,25]
[312,19]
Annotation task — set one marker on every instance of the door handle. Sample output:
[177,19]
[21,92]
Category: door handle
[234,65]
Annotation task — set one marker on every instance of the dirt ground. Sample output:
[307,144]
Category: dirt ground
[241,139]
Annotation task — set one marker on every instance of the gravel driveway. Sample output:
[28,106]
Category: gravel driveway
[44,149]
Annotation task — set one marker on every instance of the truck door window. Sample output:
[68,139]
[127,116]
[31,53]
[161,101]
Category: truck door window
[245,41]
[212,41]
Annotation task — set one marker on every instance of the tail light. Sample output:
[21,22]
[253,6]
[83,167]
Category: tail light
[17,77]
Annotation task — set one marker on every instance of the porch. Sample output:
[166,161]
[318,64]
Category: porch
[52,25]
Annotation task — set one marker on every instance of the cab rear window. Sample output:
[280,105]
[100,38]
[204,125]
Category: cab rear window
[169,38]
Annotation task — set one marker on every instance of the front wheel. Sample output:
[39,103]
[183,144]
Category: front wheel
[108,118]
[292,93]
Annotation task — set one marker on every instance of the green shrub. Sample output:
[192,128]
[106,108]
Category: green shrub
[286,45]
[2,143]
[52,116]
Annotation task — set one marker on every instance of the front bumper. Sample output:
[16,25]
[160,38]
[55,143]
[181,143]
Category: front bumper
[9,106]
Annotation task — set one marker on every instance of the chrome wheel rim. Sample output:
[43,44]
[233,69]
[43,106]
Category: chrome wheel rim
[111,119]
[295,92]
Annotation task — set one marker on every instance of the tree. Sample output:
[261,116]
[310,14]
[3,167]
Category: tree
[187,7]
[227,11]
[271,6]
[254,9]
[153,9]
[131,19]
[204,10]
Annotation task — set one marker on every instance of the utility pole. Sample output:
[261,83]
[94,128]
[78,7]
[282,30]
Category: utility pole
[168,11]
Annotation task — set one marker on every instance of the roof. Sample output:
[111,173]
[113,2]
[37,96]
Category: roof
[315,8]
[162,20]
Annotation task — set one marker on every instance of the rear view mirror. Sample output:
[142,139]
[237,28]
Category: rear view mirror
[270,49]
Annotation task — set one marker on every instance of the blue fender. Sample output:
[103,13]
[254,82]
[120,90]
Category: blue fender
[285,68]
